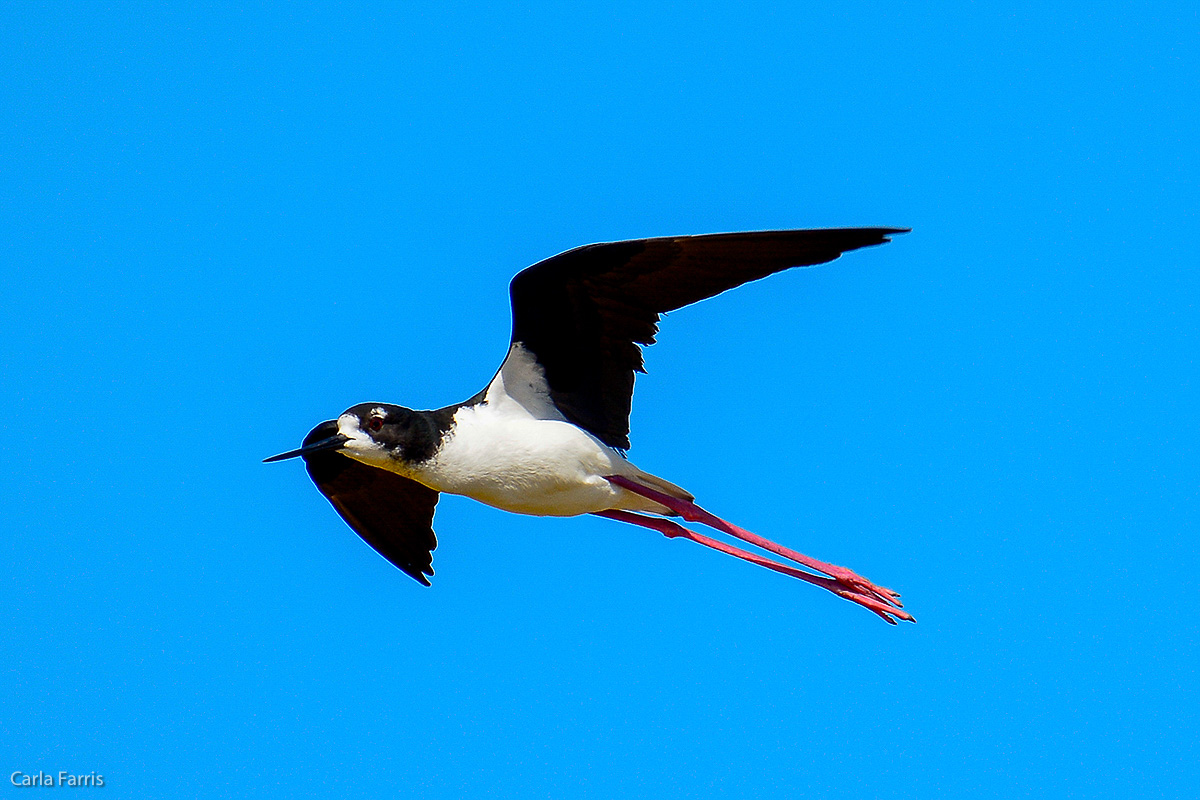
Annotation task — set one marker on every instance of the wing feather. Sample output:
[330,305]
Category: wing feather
[391,513]
[584,313]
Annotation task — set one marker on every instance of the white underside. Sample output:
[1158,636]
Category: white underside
[515,451]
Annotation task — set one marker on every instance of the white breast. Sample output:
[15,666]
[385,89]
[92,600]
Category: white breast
[515,451]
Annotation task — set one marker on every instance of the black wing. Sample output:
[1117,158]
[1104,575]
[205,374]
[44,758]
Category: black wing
[391,513]
[584,312]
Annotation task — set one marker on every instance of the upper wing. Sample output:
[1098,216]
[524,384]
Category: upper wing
[391,513]
[584,312]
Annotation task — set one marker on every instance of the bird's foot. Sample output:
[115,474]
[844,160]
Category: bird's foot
[889,610]
[854,582]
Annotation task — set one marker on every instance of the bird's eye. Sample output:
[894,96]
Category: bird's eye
[375,425]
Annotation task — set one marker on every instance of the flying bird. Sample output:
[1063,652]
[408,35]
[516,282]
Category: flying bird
[548,434]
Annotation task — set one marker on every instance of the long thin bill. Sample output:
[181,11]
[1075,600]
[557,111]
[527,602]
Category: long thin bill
[332,443]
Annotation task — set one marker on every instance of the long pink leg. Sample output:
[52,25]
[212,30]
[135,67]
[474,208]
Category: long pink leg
[694,513]
[673,529]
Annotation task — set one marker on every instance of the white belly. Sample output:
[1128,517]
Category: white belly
[526,465]
[516,451]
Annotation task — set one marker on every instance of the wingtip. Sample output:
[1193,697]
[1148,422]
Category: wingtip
[417,573]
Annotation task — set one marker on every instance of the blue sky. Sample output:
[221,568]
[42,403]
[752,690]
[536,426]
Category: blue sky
[221,226]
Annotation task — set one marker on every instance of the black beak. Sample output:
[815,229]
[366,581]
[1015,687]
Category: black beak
[332,443]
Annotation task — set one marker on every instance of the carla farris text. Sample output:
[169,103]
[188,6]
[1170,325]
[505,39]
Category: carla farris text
[63,778]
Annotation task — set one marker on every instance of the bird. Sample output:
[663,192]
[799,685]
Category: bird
[549,434]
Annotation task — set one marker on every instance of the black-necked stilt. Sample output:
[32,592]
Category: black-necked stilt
[548,434]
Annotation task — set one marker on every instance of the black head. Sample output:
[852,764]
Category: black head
[405,435]
[378,434]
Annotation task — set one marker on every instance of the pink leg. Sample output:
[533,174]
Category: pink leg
[694,513]
[673,529]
